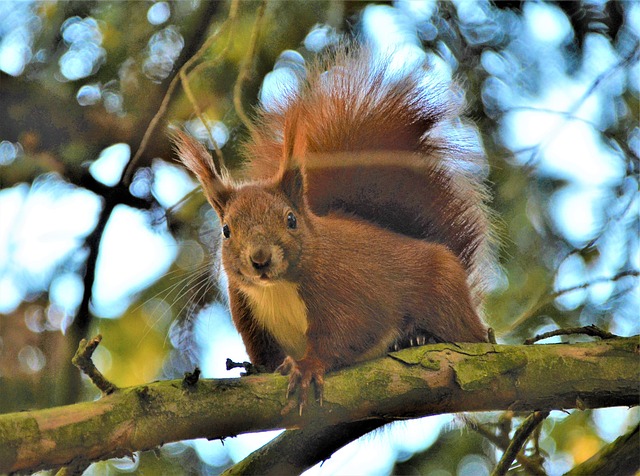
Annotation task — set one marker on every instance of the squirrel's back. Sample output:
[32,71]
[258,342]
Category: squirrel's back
[380,144]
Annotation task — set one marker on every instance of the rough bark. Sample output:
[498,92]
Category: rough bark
[415,382]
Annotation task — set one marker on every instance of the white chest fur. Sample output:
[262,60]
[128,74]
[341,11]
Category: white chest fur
[281,311]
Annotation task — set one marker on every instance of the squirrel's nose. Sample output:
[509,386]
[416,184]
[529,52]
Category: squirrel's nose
[260,258]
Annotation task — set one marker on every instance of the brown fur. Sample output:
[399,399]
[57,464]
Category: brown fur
[364,287]
[389,231]
[380,148]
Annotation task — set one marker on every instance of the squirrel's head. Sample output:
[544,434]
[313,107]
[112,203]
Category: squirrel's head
[263,233]
[263,224]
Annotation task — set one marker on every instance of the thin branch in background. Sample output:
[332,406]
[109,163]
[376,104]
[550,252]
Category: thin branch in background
[184,78]
[319,444]
[612,279]
[548,298]
[631,57]
[568,116]
[544,299]
[503,443]
[247,66]
[218,161]
[82,320]
[591,330]
[537,434]
[505,425]
[517,443]
[600,234]
[231,18]
[565,114]
[83,361]
[164,105]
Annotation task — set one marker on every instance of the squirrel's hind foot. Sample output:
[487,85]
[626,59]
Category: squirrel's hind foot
[413,341]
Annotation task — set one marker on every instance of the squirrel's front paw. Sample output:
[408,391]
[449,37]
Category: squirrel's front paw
[301,373]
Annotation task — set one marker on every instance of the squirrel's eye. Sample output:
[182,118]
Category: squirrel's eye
[225,231]
[292,223]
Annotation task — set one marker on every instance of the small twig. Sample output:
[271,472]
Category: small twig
[505,425]
[543,300]
[191,378]
[218,160]
[631,57]
[83,361]
[542,110]
[517,443]
[164,105]
[502,443]
[249,368]
[603,229]
[591,330]
[612,279]
[184,78]
[247,64]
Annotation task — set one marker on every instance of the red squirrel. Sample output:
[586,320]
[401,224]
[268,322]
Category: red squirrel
[359,228]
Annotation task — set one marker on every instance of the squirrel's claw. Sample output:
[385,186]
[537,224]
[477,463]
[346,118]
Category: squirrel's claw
[301,374]
[286,366]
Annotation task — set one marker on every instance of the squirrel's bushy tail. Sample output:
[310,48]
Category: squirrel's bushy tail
[381,146]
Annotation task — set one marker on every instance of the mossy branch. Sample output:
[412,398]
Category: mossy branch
[416,382]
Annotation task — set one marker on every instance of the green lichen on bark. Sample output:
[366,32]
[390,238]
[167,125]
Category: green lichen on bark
[420,356]
[11,434]
[489,367]
[430,364]
[374,382]
[409,356]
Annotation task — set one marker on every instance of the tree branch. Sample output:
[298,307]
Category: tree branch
[70,391]
[294,451]
[591,330]
[502,443]
[519,440]
[198,44]
[428,380]
[619,458]
[246,67]
[83,361]
[547,298]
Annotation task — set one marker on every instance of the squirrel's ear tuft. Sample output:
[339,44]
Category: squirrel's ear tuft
[196,158]
[291,173]
[193,155]
[292,185]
